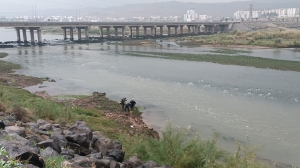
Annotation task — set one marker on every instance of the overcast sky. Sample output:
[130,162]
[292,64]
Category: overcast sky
[27,5]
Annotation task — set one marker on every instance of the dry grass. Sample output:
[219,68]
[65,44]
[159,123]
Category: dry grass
[2,107]
[21,114]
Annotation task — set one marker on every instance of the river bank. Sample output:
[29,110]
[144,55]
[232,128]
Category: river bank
[89,109]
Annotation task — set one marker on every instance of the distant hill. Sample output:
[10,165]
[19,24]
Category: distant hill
[179,8]
[173,8]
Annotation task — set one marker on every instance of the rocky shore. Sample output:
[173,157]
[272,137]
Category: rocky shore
[31,143]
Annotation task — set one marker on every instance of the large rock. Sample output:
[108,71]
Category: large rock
[22,153]
[79,133]
[61,138]
[118,155]
[78,149]
[45,127]
[81,161]
[68,153]
[53,143]
[150,164]
[102,144]
[15,129]
[49,152]
[136,162]
[29,166]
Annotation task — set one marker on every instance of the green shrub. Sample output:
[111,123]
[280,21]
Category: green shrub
[230,37]
[278,40]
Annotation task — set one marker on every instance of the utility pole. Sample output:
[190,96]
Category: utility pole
[251,12]
[35,13]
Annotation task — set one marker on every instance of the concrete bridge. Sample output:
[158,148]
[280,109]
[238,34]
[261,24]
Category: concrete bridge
[134,28]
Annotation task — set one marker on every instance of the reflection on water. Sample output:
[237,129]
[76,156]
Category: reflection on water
[232,100]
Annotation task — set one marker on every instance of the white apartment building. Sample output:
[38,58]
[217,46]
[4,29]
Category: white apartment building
[190,16]
[282,12]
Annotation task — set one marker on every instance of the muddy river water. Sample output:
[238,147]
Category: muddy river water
[235,101]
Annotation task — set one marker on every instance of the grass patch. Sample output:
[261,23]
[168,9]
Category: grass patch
[54,162]
[240,60]
[178,151]
[7,66]
[230,51]
[3,55]
[59,112]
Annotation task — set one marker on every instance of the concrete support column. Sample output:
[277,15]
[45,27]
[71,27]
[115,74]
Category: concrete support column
[18,35]
[32,36]
[195,29]
[131,35]
[181,29]
[116,32]
[71,34]
[108,32]
[79,34]
[145,31]
[213,30]
[155,30]
[137,29]
[161,30]
[24,35]
[176,30]
[169,31]
[123,32]
[101,32]
[189,29]
[39,33]
[87,36]
[65,33]
[152,31]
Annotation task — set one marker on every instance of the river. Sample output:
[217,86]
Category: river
[234,101]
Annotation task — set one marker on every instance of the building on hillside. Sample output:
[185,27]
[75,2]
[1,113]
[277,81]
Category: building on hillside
[190,16]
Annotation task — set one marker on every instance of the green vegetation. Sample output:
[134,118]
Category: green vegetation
[10,162]
[7,66]
[226,60]
[267,38]
[54,162]
[3,55]
[175,149]
[229,51]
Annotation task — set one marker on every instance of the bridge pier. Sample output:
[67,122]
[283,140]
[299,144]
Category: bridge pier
[145,31]
[189,29]
[79,33]
[101,32]
[18,35]
[24,35]
[161,29]
[87,36]
[176,30]
[31,36]
[137,32]
[65,33]
[152,31]
[71,34]
[181,29]
[39,34]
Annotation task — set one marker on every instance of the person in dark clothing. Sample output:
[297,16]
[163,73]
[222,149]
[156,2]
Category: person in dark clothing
[132,104]
[123,102]
[127,107]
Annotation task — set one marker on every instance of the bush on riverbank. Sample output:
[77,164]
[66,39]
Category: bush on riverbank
[176,150]
[290,38]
